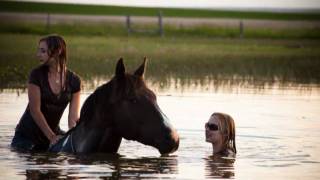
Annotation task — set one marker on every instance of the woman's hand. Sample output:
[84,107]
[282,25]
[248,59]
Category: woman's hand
[34,95]
[54,139]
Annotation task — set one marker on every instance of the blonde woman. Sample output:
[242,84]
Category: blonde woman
[220,131]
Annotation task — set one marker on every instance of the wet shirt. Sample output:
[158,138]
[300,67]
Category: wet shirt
[52,105]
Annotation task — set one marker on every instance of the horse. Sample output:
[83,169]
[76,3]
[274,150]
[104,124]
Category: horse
[124,107]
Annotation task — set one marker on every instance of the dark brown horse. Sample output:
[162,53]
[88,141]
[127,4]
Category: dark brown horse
[122,108]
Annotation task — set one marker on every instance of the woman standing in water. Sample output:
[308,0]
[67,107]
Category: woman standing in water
[220,131]
[51,87]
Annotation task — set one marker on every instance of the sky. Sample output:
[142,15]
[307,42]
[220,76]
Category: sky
[210,4]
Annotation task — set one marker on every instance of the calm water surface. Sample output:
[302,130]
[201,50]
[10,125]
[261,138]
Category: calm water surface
[277,137]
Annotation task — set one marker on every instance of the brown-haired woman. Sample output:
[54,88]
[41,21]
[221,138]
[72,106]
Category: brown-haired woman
[220,131]
[51,87]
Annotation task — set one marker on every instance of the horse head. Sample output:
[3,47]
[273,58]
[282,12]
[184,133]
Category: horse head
[137,115]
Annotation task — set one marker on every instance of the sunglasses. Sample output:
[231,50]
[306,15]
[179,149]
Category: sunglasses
[212,127]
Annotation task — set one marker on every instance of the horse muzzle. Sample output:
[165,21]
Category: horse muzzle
[169,144]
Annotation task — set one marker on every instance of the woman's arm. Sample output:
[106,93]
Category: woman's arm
[34,95]
[74,110]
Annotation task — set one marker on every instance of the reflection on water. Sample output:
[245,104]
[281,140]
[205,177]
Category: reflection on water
[277,138]
[216,85]
[219,167]
[61,166]
[207,86]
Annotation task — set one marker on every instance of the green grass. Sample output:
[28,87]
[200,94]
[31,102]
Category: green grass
[185,59]
[11,6]
[118,29]
[186,54]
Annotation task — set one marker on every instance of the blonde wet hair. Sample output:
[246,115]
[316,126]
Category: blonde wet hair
[228,129]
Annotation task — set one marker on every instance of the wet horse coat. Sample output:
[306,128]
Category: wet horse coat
[122,108]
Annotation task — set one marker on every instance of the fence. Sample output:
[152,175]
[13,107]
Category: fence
[242,25]
[159,31]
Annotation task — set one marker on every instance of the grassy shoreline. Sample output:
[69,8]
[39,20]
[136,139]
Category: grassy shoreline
[183,59]
[32,7]
[188,55]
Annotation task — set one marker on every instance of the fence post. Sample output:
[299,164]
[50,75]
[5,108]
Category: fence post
[241,29]
[128,24]
[48,22]
[160,24]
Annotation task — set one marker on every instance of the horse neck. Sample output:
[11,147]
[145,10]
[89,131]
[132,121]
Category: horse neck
[95,126]
[98,100]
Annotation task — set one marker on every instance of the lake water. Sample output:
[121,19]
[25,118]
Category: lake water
[277,137]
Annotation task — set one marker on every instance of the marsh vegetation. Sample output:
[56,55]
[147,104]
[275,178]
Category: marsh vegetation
[185,55]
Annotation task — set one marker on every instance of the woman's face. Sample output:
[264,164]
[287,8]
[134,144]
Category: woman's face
[214,135]
[42,53]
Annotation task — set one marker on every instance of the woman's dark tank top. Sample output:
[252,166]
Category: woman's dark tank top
[52,105]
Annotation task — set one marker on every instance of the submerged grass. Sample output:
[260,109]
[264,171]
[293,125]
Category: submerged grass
[185,58]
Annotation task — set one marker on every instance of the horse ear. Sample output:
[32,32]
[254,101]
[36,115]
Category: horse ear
[120,69]
[141,69]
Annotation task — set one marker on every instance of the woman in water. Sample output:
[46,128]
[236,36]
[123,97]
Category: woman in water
[51,87]
[220,132]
